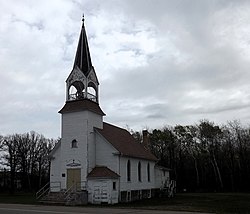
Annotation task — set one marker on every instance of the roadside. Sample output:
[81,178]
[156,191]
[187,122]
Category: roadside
[188,202]
[20,208]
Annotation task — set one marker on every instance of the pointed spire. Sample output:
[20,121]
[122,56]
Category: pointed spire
[82,58]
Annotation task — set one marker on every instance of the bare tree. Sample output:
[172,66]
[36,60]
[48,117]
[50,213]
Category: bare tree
[210,136]
[27,155]
[10,148]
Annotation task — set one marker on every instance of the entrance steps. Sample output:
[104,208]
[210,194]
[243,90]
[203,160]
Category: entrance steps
[60,198]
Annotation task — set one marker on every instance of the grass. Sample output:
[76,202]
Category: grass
[18,198]
[200,202]
[194,202]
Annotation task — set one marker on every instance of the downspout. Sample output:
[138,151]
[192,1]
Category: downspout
[87,149]
[119,196]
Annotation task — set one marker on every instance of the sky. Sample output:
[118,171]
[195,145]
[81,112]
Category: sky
[159,62]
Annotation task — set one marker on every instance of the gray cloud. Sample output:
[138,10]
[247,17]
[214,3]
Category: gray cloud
[158,62]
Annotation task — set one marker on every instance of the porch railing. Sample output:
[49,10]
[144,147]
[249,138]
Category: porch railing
[56,187]
[44,190]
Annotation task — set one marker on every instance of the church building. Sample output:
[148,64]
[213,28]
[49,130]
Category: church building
[94,158]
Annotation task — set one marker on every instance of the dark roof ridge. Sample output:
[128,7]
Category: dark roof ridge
[116,126]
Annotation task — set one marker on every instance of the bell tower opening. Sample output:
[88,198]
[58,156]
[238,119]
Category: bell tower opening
[76,91]
[92,92]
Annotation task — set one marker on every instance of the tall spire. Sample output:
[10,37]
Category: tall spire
[82,82]
[82,58]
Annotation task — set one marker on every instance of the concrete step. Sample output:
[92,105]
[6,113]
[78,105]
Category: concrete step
[61,198]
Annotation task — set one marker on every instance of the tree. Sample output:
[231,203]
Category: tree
[27,155]
[10,154]
[187,138]
[210,136]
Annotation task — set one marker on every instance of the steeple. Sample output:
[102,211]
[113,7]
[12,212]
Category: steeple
[82,82]
[82,58]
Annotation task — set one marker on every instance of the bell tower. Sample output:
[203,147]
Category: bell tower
[80,115]
[82,82]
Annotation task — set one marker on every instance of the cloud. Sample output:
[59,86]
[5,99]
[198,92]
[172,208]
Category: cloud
[158,62]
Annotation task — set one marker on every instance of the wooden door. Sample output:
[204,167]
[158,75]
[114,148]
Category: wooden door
[74,178]
[101,193]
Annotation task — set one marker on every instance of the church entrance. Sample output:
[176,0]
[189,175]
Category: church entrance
[74,179]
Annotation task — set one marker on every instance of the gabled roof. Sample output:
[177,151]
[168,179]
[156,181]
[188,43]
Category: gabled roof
[80,105]
[124,142]
[82,58]
[102,172]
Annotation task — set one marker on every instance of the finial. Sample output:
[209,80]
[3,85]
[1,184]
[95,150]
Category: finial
[83,17]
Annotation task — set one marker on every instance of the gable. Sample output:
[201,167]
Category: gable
[75,75]
[124,142]
[103,144]
[102,172]
[55,149]
[92,76]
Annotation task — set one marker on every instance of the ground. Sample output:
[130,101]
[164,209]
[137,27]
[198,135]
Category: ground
[188,202]
[201,202]
[30,209]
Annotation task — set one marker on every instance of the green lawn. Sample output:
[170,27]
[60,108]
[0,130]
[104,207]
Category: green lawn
[199,202]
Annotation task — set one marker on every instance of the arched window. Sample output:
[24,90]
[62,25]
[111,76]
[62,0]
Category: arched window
[74,143]
[92,92]
[128,171]
[148,172]
[139,171]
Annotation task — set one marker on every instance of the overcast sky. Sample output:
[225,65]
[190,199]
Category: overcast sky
[158,62]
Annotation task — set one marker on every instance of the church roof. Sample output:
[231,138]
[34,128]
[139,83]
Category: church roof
[82,58]
[52,152]
[80,105]
[102,172]
[124,142]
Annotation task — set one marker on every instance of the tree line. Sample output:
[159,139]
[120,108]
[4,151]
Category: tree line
[24,161]
[204,156]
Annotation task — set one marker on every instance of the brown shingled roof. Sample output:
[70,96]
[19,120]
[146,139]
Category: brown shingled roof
[80,105]
[124,142]
[102,172]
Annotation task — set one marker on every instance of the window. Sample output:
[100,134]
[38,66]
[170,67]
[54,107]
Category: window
[74,144]
[128,196]
[148,172]
[128,171]
[114,185]
[139,171]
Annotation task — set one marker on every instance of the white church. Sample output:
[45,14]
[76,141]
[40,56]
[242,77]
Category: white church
[97,162]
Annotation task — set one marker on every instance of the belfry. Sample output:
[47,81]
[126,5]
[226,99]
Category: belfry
[82,82]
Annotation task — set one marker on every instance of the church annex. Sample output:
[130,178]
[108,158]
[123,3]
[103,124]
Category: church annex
[97,162]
